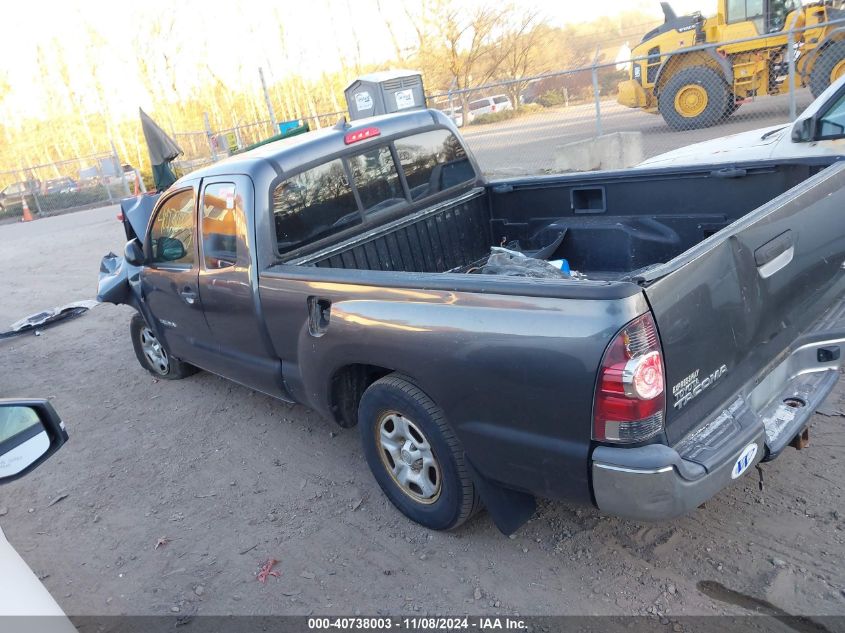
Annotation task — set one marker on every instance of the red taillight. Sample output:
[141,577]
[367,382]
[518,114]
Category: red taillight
[631,394]
[120,217]
[361,135]
[493,108]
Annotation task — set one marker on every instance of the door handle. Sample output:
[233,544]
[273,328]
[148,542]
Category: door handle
[188,295]
[775,254]
[319,314]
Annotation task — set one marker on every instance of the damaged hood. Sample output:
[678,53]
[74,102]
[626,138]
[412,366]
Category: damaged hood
[136,214]
[753,145]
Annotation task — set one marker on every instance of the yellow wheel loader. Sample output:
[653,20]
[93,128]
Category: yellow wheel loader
[703,86]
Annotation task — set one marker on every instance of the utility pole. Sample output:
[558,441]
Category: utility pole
[267,100]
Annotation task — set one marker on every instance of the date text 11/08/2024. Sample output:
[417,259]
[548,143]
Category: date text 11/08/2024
[418,624]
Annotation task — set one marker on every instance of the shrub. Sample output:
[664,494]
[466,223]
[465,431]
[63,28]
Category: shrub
[504,115]
[552,98]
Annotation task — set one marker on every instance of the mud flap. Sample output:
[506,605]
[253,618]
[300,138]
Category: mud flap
[508,508]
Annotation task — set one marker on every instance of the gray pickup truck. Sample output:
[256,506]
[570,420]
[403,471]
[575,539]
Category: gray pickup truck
[349,270]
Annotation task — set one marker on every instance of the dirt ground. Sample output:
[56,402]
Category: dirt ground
[223,478]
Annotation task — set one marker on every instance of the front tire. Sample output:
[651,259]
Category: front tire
[152,355]
[829,67]
[414,455]
[694,98]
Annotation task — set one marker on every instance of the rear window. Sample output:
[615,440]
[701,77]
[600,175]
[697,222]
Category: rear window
[321,201]
[376,179]
[481,103]
[500,99]
[432,162]
[313,204]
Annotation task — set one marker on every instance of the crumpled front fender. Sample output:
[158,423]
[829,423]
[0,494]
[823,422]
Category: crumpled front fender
[118,282]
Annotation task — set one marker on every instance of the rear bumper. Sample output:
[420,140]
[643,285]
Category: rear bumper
[658,482]
[659,491]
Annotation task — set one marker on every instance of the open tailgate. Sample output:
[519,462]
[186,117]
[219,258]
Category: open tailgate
[731,307]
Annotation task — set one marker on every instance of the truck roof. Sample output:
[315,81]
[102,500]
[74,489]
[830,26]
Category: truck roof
[291,153]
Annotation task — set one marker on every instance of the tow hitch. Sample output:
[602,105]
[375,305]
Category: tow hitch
[802,440]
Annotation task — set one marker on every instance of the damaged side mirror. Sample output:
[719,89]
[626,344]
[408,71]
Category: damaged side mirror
[804,130]
[168,249]
[134,252]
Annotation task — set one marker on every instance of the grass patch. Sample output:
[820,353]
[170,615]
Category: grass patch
[505,115]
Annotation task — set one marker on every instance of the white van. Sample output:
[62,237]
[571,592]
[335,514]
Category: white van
[488,105]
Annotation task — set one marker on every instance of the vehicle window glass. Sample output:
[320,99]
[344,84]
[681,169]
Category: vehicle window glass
[433,161]
[742,10]
[172,233]
[16,420]
[220,218]
[477,105]
[832,124]
[754,8]
[376,179]
[313,204]
[500,99]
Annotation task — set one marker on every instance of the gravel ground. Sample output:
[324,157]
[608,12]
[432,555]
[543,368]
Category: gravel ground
[178,491]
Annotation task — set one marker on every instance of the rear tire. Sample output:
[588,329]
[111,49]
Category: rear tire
[694,98]
[829,67]
[152,355]
[414,455]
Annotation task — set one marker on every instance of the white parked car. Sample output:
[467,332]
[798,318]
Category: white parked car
[819,131]
[488,105]
[30,431]
[456,113]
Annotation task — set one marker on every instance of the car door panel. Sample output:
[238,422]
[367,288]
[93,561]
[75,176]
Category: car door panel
[242,349]
[169,285]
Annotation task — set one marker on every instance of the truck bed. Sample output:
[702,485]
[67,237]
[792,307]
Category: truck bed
[613,225]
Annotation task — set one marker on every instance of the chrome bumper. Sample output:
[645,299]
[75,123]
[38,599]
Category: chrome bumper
[661,482]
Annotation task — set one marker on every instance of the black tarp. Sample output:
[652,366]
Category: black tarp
[163,150]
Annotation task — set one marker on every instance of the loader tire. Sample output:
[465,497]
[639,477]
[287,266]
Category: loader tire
[694,98]
[829,67]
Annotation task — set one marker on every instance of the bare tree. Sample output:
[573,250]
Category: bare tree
[388,22]
[521,44]
[462,43]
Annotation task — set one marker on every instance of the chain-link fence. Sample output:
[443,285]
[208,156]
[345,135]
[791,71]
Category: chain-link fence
[65,185]
[616,114]
[206,147]
[667,94]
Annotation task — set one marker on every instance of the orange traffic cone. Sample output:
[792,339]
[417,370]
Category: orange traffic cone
[27,216]
[137,183]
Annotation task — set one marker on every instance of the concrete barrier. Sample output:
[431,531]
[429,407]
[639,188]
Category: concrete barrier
[609,151]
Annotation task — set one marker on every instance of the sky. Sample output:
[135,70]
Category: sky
[232,38]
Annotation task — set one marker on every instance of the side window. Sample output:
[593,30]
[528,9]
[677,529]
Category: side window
[220,216]
[736,11]
[433,161]
[376,179]
[652,64]
[832,124]
[742,10]
[172,233]
[478,105]
[313,204]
